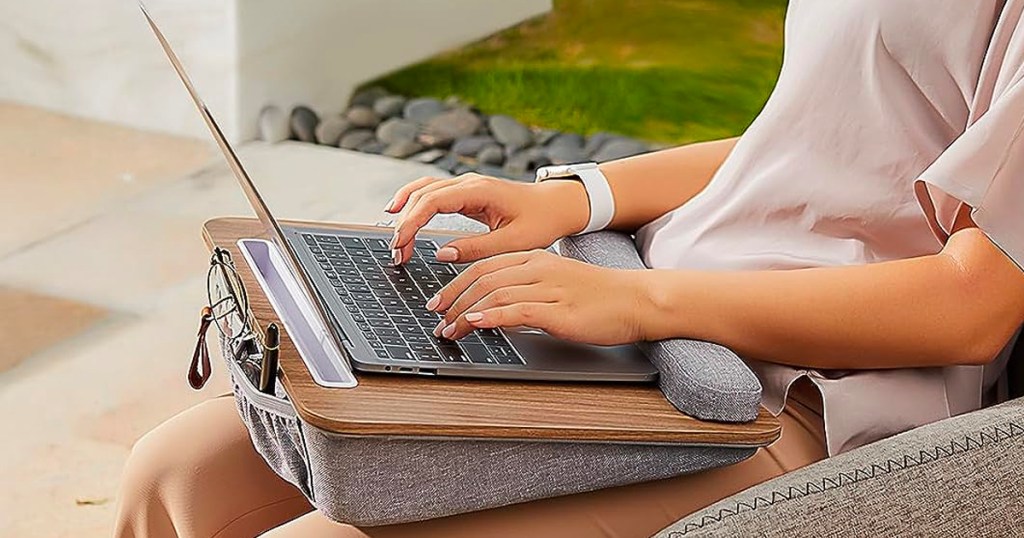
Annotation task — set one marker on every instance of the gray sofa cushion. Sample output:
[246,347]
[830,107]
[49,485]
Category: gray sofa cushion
[701,379]
[957,477]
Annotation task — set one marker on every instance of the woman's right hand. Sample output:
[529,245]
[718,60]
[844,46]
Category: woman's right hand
[520,216]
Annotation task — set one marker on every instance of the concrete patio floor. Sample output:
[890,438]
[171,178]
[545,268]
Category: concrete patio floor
[102,275]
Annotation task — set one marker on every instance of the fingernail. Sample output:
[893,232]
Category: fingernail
[396,256]
[474,317]
[389,205]
[394,240]
[448,331]
[439,328]
[447,254]
[433,302]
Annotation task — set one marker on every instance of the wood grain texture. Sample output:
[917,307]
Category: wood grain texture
[385,404]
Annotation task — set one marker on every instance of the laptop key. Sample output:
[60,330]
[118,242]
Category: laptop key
[391,301]
[350,241]
[378,245]
[424,277]
[392,341]
[386,294]
[357,288]
[450,352]
[401,353]
[346,271]
[416,338]
[407,290]
[471,339]
[477,353]
[374,277]
[430,288]
[352,280]
[397,310]
[388,332]
[362,296]
[379,285]
[375,315]
[309,239]
[408,321]
[369,306]
[326,239]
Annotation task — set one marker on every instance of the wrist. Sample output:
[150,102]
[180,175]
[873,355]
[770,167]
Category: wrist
[569,203]
[657,318]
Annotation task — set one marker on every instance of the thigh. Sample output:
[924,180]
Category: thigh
[638,510]
[198,475]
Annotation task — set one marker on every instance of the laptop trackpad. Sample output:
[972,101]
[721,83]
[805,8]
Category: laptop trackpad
[543,351]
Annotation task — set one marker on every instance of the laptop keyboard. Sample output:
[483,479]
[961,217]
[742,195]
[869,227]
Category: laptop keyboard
[389,303]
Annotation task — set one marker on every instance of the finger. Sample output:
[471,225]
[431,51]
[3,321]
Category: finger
[403,241]
[447,295]
[478,247]
[536,315]
[397,201]
[516,275]
[512,295]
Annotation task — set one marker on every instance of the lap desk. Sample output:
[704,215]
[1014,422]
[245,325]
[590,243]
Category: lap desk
[412,406]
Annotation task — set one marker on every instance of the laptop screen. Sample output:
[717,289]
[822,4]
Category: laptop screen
[252,194]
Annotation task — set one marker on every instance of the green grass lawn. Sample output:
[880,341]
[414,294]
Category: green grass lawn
[671,71]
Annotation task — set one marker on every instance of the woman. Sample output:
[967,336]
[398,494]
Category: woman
[864,237]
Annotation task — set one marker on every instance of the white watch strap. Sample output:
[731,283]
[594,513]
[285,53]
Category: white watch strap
[599,193]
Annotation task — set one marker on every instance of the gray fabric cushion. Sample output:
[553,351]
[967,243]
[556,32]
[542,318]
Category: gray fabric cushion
[381,480]
[957,477]
[701,379]
[378,481]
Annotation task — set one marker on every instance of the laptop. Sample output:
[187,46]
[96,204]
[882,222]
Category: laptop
[375,313]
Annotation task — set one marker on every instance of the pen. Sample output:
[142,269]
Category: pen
[268,368]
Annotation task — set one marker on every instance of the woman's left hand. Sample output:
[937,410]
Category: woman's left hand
[566,298]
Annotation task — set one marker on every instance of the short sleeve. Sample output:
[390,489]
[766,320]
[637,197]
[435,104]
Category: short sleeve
[984,166]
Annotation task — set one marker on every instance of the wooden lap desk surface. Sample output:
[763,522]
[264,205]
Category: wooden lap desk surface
[397,405]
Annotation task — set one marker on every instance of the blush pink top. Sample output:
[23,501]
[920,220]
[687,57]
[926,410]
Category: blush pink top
[886,116]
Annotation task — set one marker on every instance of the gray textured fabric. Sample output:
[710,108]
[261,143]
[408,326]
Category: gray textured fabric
[381,480]
[701,379]
[957,477]
[413,480]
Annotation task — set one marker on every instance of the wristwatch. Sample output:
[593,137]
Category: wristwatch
[602,203]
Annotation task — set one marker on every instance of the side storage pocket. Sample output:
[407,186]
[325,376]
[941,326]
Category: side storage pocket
[273,426]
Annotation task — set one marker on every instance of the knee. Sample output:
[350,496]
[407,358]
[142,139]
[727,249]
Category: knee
[165,467]
[142,499]
[151,462]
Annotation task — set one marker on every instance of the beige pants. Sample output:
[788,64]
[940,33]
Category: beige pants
[197,475]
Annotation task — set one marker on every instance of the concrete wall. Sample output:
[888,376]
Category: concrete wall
[98,59]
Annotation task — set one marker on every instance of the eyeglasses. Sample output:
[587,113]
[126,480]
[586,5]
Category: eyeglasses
[228,300]
[228,309]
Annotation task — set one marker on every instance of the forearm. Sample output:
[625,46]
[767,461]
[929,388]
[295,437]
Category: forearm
[959,306]
[648,186]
